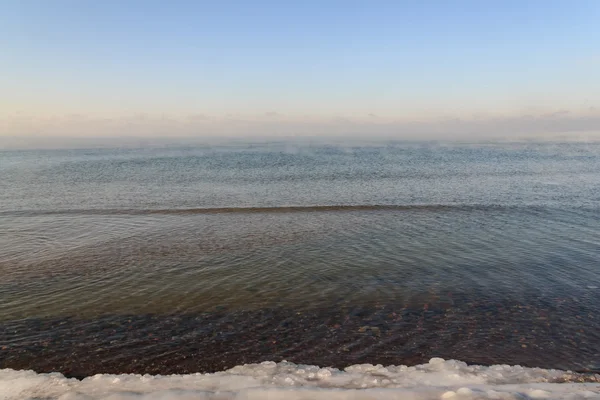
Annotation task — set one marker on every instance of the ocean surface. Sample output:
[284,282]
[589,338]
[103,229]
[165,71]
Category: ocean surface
[201,258]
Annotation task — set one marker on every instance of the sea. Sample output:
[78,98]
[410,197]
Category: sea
[186,259]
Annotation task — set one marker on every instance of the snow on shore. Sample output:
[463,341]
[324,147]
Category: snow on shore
[438,379]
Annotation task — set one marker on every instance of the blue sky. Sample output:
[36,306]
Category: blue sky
[329,63]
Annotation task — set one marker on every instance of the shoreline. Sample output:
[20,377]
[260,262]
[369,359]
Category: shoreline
[438,378]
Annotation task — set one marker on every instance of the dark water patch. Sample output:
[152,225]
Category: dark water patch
[558,333]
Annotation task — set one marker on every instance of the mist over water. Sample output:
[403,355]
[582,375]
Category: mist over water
[332,254]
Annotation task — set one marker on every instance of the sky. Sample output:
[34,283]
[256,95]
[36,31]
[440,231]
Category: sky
[404,69]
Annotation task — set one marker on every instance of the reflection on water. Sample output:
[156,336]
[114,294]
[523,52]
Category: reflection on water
[141,287]
[193,263]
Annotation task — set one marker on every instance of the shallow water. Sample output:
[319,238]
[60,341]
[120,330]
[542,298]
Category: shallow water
[316,254]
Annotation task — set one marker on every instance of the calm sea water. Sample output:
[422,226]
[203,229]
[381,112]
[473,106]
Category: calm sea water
[133,260]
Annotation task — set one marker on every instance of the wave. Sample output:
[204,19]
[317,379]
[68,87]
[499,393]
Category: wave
[270,209]
[437,379]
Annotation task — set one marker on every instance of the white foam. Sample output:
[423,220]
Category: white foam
[438,379]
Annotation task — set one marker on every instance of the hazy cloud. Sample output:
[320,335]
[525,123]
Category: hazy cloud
[558,113]
[198,117]
[19,130]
